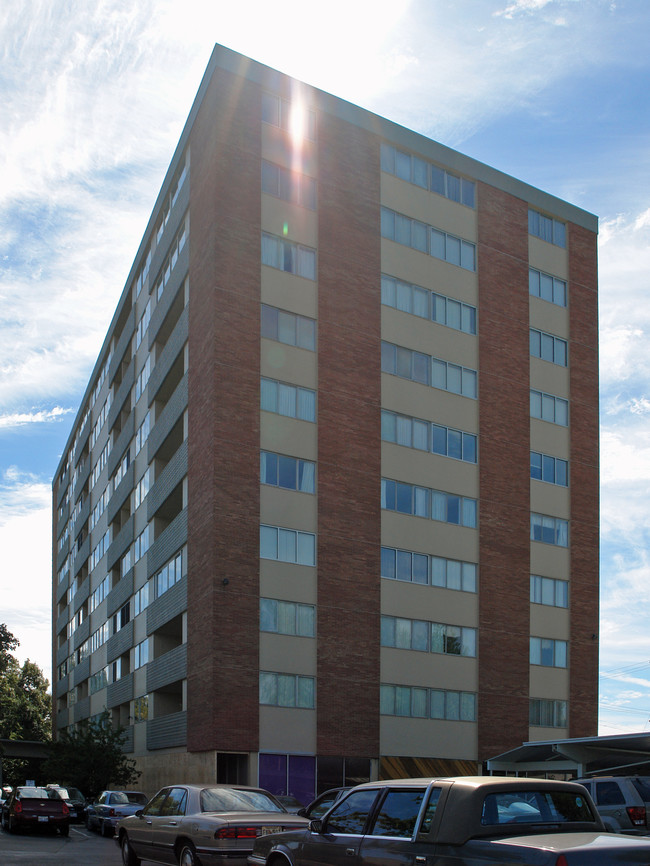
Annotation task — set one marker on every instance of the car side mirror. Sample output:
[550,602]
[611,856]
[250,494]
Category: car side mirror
[138,814]
[316,826]
[302,812]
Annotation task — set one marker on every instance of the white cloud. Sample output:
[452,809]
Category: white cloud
[43,416]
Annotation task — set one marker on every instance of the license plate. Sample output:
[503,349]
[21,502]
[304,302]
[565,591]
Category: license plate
[267,830]
[43,818]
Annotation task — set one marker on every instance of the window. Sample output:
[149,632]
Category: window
[141,488]
[141,545]
[97,681]
[423,502]
[122,618]
[288,328]
[289,400]
[141,709]
[547,713]
[280,112]
[122,467]
[548,653]
[141,654]
[143,378]
[291,473]
[142,433]
[98,596]
[288,185]
[434,570]
[435,637]
[546,407]
[287,617]
[421,703]
[547,288]
[549,590]
[143,324]
[425,436]
[141,599]
[415,170]
[551,230]
[182,236]
[287,690]
[428,305]
[100,549]
[553,470]
[549,530]
[427,239]
[548,348]
[288,256]
[169,574]
[421,368]
[287,545]
[351,815]
[398,813]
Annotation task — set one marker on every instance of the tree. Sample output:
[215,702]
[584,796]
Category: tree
[90,757]
[25,706]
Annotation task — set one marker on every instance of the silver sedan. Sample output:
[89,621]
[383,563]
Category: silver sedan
[199,825]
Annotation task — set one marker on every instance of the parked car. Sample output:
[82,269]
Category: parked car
[323,803]
[73,798]
[104,813]
[464,821]
[291,804]
[33,808]
[192,824]
[623,802]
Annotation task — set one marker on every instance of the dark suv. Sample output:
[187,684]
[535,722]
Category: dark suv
[623,802]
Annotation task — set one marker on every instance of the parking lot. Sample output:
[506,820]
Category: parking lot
[80,848]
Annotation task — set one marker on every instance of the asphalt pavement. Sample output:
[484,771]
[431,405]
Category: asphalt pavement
[80,848]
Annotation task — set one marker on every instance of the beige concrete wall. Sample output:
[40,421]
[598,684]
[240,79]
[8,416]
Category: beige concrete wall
[428,738]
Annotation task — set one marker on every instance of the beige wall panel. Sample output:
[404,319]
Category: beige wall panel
[403,329]
[433,603]
[428,207]
[433,670]
[424,270]
[430,470]
[548,258]
[291,655]
[544,734]
[288,436]
[288,364]
[549,317]
[287,582]
[288,508]
[98,702]
[429,536]
[550,378]
[284,729]
[550,683]
[288,292]
[275,149]
[425,738]
[550,499]
[301,223]
[549,560]
[550,439]
[140,681]
[430,404]
[547,621]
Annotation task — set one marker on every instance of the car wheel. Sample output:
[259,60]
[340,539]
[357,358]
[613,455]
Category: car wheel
[129,857]
[188,856]
[64,829]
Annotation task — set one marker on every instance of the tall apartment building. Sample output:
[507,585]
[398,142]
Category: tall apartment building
[329,508]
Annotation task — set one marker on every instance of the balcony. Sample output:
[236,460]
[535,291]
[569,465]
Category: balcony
[168,668]
[167,731]
[120,692]
[167,606]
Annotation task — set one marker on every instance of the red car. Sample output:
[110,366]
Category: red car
[32,808]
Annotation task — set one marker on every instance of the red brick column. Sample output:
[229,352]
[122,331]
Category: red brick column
[349,455]
[223,461]
[584,481]
[504,465]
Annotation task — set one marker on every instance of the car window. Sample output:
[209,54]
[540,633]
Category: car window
[643,787]
[154,806]
[609,794]
[534,807]
[233,800]
[351,814]
[119,798]
[102,798]
[175,803]
[33,793]
[398,813]
[430,812]
[137,799]
[322,805]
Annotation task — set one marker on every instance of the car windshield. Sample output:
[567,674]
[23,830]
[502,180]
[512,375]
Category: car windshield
[643,787]
[119,798]
[535,807]
[232,800]
[35,793]
[136,799]
[75,794]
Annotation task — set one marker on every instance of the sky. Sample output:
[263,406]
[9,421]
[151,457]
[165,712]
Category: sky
[93,98]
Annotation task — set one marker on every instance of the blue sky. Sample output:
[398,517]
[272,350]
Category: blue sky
[94,97]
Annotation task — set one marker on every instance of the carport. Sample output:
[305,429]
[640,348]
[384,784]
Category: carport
[22,749]
[620,754]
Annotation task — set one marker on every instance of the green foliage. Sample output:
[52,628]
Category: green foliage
[25,707]
[90,757]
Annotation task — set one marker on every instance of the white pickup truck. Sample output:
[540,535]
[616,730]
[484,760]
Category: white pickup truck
[463,821]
